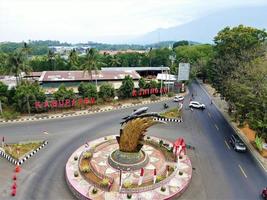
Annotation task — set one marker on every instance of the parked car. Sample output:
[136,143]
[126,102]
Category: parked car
[178,98]
[196,104]
[237,143]
[264,193]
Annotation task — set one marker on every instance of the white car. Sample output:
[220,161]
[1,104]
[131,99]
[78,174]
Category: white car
[196,104]
[178,98]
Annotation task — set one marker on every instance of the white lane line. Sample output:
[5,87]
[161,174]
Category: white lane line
[243,172]
[209,114]
[216,127]
[227,144]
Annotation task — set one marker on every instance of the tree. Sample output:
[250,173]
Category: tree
[127,87]
[106,91]
[63,93]
[73,59]
[234,49]
[180,43]
[153,84]
[51,60]
[3,93]
[114,61]
[26,94]
[16,64]
[91,63]
[142,83]
[87,90]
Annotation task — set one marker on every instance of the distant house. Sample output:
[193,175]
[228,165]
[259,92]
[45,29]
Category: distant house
[51,80]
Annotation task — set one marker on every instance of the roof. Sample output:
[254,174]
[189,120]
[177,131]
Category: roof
[166,77]
[136,68]
[63,76]
[33,74]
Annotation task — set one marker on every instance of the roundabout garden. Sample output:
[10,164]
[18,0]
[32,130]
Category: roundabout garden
[129,165]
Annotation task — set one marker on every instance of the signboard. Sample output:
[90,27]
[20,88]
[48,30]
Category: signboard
[184,69]
[64,103]
[144,92]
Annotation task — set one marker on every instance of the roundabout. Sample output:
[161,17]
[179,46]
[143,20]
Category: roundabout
[129,166]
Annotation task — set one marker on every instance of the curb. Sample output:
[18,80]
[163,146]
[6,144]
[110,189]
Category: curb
[81,112]
[253,152]
[25,158]
[168,120]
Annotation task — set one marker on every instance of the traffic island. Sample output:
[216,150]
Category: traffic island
[129,166]
[18,153]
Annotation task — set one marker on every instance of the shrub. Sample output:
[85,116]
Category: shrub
[171,94]
[159,178]
[8,115]
[170,150]
[153,97]
[127,184]
[148,137]
[94,191]
[105,182]
[180,173]
[85,169]
[163,189]
[160,143]
[180,157]
[87,155]
[106,91]
[129,196]
[75,157]
[76,174]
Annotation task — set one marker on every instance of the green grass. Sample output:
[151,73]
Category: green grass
[172,113]
[22,148]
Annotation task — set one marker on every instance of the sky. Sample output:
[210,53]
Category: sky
[100,20]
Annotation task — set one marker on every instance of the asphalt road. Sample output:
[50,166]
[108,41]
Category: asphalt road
[219,172]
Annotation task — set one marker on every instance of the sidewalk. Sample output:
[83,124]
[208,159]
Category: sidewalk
[222,105]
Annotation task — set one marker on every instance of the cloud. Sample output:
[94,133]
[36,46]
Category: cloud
[84,20]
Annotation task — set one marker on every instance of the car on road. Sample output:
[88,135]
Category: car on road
[196,104]
[178,98]
[237,143]
[264,193]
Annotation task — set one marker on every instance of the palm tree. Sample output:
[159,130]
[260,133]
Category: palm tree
[73,59]
[91,63]
[16,63]
[115,61]
[51,59]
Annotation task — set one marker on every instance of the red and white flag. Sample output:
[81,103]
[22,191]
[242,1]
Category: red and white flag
[120,179]
[141,176]
[155,175]
[167,170]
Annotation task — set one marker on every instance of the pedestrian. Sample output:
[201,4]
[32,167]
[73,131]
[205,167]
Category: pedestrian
[210,101]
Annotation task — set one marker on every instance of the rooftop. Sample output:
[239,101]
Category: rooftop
[57,76]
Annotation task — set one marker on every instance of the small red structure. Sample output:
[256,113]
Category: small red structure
[14,192]
[17,169]
[179,144]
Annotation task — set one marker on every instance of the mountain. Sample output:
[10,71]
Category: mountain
[204,29]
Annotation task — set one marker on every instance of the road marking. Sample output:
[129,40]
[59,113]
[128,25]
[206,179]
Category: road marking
[216,127]
[209,114]
[243,172]
[227,144]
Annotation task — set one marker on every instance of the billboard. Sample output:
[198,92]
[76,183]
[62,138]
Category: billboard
[183,73]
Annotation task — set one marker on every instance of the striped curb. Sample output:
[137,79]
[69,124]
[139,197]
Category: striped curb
[25,158]
[168,120]
[82,113]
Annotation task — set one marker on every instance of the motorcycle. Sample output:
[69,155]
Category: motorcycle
[165,106]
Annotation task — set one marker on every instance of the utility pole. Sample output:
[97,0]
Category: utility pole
[161,81]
